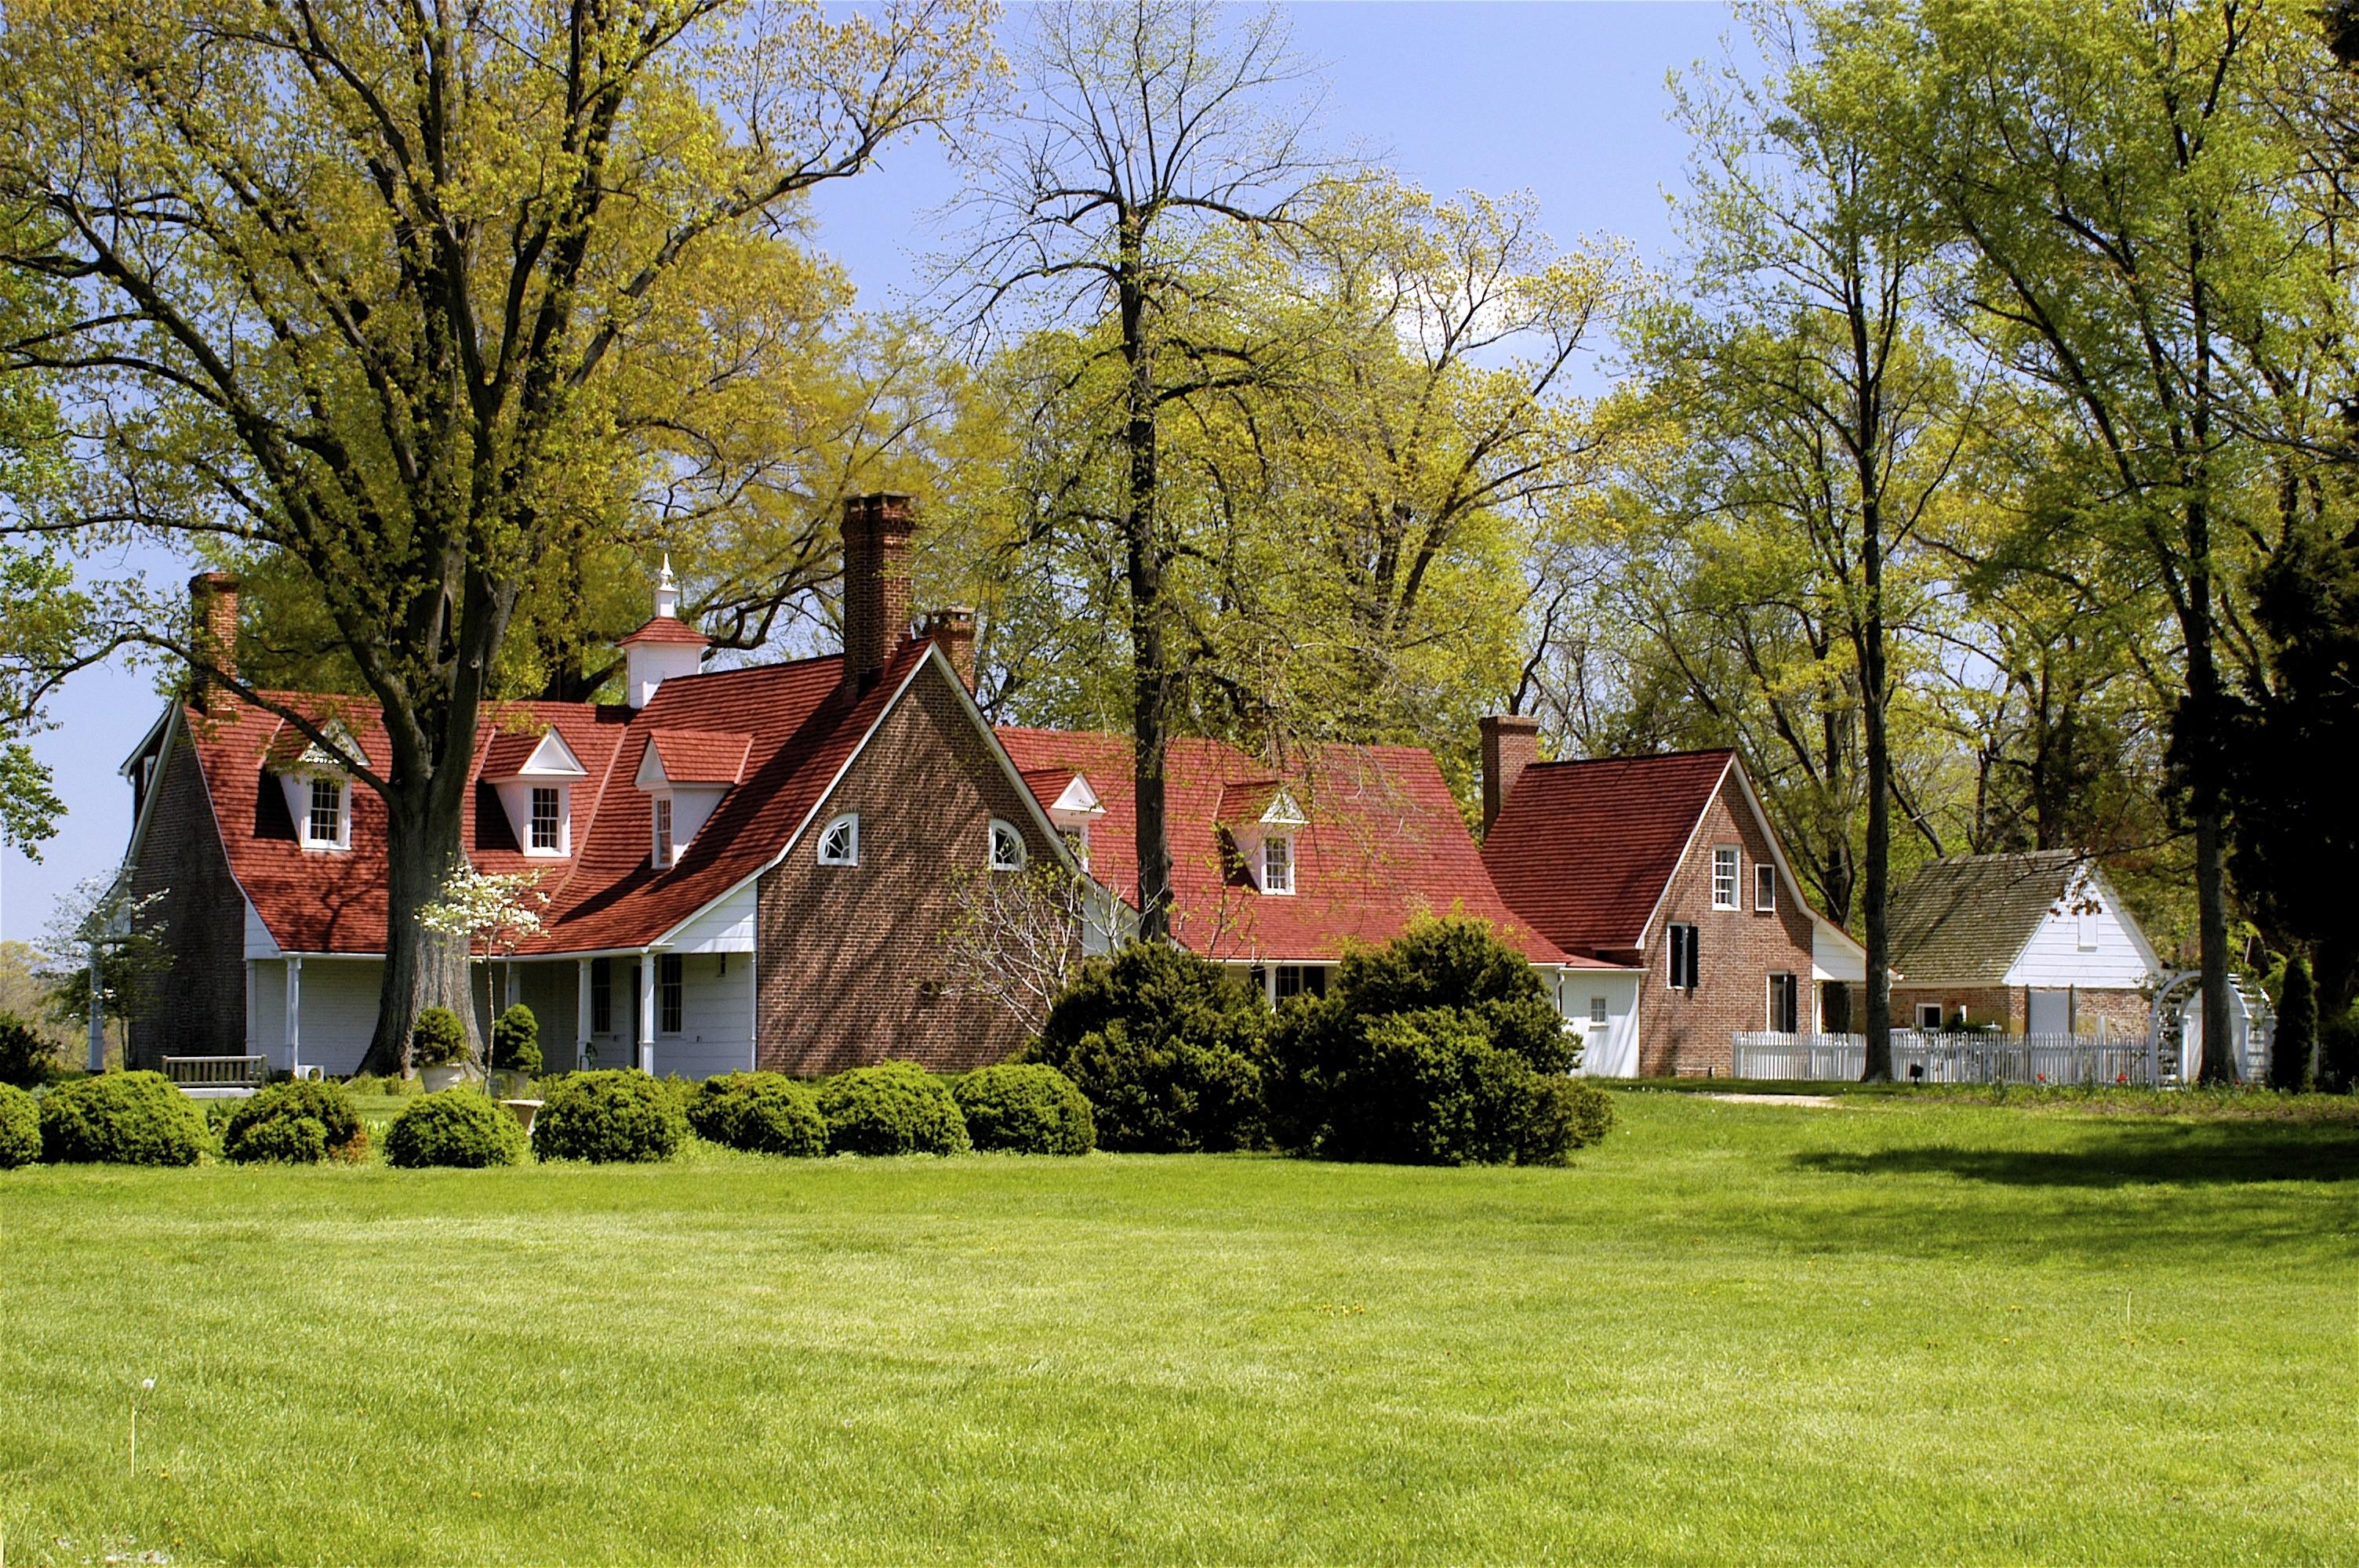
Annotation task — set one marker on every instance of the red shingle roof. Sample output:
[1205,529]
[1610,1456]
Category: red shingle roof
[700,756]
[1584,850]
[1385,843]
[666,629]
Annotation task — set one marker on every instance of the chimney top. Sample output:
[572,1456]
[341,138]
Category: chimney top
[952,626]
[212,632]
[876,530]
[1511,743]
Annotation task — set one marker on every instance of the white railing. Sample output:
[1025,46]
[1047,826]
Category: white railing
[1919,1057]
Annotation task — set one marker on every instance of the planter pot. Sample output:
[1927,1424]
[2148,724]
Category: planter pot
[437,1079]
[506,1083]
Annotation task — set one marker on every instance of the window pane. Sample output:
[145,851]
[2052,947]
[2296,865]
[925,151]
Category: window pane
[1278,865]
[1597,1010]
[669,990]
[327,811]
[1765,887]
[545,819]
[1723,878]
[663,830]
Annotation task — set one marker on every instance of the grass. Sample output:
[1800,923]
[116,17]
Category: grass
[1887,1332]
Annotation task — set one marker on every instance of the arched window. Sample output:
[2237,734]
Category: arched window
[839,841]
[1006,847]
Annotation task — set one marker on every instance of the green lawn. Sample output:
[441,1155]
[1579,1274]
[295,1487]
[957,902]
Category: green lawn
[1887,1332]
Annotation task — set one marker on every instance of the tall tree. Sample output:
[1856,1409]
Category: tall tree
[1160,139]
[412,302]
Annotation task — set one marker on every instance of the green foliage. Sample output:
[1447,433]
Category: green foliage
[391,1085]
[440,1039]
[27,1057]
[286,1119]
[2297,1035]
[1437,1049]
[892,1107]
[762,1113]
[20,1128]
[618,1115]
[1165,1045]
[516,1040]
[1026,1108]
[122,1119]
[2338,1053]
[457,1128]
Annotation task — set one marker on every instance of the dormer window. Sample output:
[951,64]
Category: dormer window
[839,841]
[548,820]
[663,845]
[1006,847]
[324,825]
[1277,863]
[535,776]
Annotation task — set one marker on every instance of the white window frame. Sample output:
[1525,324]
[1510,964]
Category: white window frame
[1002,834]
[1934,1008]
[1765,887]
[849,855]
[313,783]
[1779,985]
[671,994]
[557,825]
[1732,856]
[1277,876]
[1680,944]
[1598,1012]
[660,818]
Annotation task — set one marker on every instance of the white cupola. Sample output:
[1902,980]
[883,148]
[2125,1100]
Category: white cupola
[665,647]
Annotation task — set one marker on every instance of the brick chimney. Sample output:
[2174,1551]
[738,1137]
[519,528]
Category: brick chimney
[1511,743]
[876,530]
[213,629]
[954,627]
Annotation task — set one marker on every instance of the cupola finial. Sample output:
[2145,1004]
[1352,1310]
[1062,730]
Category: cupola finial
[666,591]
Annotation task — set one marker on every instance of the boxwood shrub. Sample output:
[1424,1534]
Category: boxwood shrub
[762,1113]
[26,1059]
[294,1123]
[122,1119]
[614,1116]
[1026,1108]
[894,1107]
[1167,1047]
[457,1127]
[438,1039]
[516,1040]
[20,1128]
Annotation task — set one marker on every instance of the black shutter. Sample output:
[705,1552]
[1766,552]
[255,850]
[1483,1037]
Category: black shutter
[1695,955]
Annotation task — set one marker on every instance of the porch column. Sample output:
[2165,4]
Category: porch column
[253,1019]
[648,1012]
[294,1013]
[582,1012]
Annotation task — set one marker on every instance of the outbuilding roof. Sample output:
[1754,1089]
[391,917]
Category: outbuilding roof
[1963,920]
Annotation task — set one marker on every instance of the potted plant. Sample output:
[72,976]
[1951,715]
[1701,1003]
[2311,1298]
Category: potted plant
[516,1051]
[438,1048]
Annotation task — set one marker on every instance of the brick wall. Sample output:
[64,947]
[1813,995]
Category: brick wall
[2126,1014]
[2003,1006]
[849,955]
[199,1010]
[1681,1032]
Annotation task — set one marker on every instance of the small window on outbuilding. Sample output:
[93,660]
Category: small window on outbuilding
[1006,847]
[839,841]
[1765,887]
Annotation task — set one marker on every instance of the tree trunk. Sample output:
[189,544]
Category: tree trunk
[422,968]
[2199,739]
[1150,679]
[1877,893]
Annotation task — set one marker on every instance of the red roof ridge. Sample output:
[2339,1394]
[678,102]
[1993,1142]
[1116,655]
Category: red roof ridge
[665,629]
[1631,757]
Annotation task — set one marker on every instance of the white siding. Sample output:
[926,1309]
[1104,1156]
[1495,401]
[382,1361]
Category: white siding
[726,926]
[2054,957]
[338,1000]
[1832,956]
[1612,1051]
[265,1009]
[716,1033]
[259,942]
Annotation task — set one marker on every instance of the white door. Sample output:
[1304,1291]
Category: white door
[2050,1012]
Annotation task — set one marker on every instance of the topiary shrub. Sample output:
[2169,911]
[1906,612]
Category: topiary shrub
[457,1128]
[1166,1046]
[20,1128]
[619,1115]
[28,1060]
[1026,1108]
[516,1040]
[122,1119]
[438,1040]
[894,1107]
[294,1123]
[1439,1049]
[762,1113]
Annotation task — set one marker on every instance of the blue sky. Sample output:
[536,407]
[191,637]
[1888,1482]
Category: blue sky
[1563,100]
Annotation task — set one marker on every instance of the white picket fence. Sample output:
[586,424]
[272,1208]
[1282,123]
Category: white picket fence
[1921,1057]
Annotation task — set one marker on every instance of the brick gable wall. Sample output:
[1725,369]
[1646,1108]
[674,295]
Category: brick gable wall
[199,1009]
[846,953]
[1683,1033]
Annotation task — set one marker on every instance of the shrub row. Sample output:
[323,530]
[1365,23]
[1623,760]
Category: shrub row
[1439,1048]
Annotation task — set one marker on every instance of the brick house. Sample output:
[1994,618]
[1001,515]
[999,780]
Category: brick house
[2028,944]
[746,867]
[1666,868]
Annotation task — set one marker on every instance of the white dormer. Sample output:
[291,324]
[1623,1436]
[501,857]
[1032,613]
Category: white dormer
[664,648]
[1075,807]
[685,773]
[1266,839]
[536,791]
[319,789]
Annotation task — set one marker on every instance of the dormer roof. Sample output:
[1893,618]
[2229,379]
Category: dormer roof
[666,629]
[694,757]
[526,755]
[1259,803]
[290,750]
[1065,793]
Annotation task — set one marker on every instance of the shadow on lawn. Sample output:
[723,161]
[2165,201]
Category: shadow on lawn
[2127,1156]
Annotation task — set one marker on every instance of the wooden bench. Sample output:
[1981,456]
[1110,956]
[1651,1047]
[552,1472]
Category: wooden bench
[217,1077]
